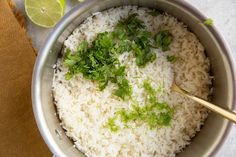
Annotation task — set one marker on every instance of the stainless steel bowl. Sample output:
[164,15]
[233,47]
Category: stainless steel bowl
[212,134]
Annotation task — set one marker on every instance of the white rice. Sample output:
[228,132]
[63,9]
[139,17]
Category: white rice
[84,110]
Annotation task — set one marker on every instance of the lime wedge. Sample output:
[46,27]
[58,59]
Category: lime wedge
[45,13]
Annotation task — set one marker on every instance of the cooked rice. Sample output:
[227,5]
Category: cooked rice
[84,110]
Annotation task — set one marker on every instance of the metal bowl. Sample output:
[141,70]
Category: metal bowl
[204,144]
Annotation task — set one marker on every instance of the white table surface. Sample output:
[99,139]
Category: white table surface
[223,12]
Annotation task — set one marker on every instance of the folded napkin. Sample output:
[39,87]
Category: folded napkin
[19,134]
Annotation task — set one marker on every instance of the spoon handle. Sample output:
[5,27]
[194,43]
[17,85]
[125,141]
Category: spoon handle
[223,112]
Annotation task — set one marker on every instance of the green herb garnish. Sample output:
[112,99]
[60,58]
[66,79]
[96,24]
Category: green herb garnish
[98,63]
[148,88]
[112,125]
[124,90]
[160,88]
[208,22]
[155,12]
[154,114]
[171,59]
[131,24]
[163,118]
[133,29]
[163,40]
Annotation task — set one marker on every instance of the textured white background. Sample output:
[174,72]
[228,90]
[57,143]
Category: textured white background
[223,12]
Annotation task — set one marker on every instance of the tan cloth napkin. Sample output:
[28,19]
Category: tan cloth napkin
[19,136]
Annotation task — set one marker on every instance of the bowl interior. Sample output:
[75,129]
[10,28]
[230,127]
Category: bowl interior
[204,143]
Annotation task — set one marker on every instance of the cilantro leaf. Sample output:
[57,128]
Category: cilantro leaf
[148,88]
[208,22]
[143,56]
[155,12]
[124,90]
[163,40]
[133,30]
[131,24]
[112,125]
[171,59]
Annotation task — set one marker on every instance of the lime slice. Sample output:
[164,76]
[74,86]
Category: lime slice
[45,13]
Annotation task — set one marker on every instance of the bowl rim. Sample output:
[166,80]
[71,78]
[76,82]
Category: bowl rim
[35,86]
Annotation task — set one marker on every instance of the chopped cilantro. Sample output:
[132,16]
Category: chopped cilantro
[123,46]
[171,59]
[131,25]
[112,125]
[124,90]
[208,22]
[155,12]
[163,40]
[154,114]
[165,116]
[103,40]
[133,29]
[160,88]
[148,88]
[143,56]
[99,61]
